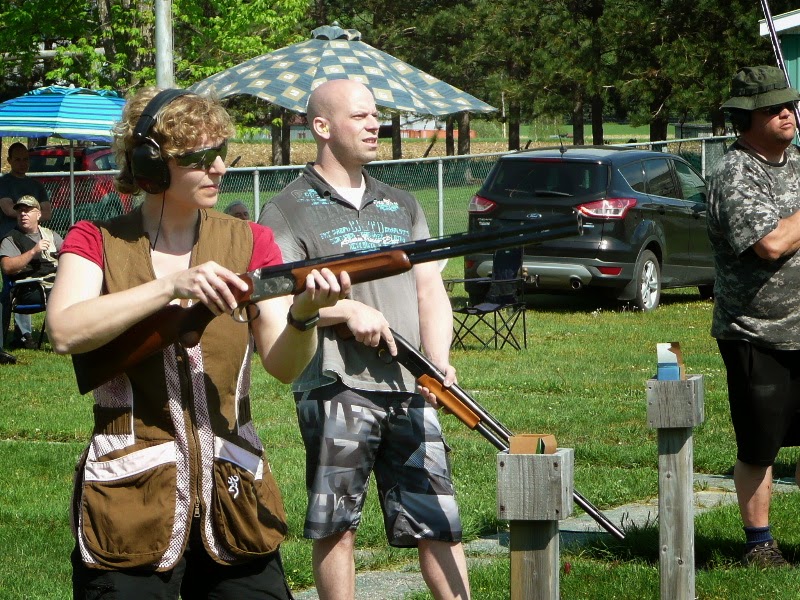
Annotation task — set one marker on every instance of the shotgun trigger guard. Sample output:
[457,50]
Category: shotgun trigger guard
[241,315]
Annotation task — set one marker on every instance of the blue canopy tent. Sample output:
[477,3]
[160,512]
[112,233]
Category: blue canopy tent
[67,113]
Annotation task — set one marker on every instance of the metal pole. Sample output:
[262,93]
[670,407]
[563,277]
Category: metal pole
[703,158]
[256,195]
[776,48]
[165,76]
[440,191]
[71,182]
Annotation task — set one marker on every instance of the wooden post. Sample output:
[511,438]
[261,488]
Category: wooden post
[534,492]
[674,408]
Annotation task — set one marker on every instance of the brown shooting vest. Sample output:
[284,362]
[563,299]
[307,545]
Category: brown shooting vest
[173,438]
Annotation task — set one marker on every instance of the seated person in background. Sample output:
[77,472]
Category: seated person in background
[28,251]
[238,209]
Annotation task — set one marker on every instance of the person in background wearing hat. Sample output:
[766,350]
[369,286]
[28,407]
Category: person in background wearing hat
[238,209]
[754,227]
[28,251]
[14,185]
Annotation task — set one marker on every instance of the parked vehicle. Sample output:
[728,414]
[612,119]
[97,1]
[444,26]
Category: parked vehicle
[95,196]
[644,216]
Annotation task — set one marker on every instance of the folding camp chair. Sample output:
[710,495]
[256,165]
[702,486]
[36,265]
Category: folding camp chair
[27,297]
[493,321]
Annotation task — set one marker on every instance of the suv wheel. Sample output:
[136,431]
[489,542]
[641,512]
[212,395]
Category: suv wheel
[648,281]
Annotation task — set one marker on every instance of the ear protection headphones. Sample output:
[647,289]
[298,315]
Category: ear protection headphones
[148,167]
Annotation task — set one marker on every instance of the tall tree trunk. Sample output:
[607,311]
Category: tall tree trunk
[577,119]
[659,126]
[463,133]
[138,61]
[449,140]
[107,40]
[717,122]
[319,13]
[660,115]
[286,136]
[276,130]
[514,116]
[597,120]
[397,146]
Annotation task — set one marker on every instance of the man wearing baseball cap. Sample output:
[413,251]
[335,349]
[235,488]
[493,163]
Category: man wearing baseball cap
[754,227]
[28,251]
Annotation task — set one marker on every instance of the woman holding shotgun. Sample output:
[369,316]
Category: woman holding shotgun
[174,494]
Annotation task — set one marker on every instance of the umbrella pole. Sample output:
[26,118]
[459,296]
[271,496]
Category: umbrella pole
[71,183]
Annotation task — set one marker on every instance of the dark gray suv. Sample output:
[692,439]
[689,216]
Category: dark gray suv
[644,216]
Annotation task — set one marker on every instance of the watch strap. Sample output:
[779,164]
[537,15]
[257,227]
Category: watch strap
[301,325]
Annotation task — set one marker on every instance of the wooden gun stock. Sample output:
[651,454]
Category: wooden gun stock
[468,411]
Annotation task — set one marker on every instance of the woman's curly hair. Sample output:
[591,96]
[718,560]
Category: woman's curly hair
[179,127]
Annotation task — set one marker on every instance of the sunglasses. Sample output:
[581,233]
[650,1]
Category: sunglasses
[203,158]
[777,109]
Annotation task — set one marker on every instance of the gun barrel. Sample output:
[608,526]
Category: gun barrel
[186,326]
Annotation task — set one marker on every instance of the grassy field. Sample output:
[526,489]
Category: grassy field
[582,378]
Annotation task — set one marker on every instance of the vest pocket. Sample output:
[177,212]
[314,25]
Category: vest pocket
[128,506]
[247,507]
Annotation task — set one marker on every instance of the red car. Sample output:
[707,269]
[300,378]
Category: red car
[95,195]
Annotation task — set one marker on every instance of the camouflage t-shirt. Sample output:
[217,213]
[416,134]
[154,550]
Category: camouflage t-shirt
[756,300]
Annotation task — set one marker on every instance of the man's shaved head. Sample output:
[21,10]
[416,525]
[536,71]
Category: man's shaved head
[327,97]
[343,119]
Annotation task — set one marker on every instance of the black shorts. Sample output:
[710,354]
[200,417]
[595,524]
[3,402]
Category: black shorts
[764,396]
[195,576]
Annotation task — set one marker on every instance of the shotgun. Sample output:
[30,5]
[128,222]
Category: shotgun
[174,323]
[468,411]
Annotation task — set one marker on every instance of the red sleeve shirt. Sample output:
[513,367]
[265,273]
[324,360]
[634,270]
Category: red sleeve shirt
[84,239]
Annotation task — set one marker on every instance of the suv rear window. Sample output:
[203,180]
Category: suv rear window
[49,164]
[529,178]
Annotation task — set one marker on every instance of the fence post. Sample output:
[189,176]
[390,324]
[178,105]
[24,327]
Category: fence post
[674,408]
[534,492]
[440,192]
[703,158]
[256,195]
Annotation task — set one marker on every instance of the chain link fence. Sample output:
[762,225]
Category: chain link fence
[443,185]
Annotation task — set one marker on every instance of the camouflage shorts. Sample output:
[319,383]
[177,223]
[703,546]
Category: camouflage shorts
[349,434]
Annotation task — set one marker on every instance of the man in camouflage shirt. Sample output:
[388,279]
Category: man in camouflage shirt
[754,226]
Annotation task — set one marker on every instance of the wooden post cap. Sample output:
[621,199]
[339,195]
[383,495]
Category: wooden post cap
[533,443]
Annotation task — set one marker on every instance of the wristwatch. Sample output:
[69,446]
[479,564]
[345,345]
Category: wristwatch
[301,325]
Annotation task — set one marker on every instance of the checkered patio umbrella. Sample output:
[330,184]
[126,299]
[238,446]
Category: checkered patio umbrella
[287,76]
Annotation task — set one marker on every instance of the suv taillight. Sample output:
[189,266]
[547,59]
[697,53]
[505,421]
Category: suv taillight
[479,204]
[610,208]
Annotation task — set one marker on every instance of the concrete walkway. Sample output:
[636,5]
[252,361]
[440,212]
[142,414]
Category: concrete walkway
[711,491]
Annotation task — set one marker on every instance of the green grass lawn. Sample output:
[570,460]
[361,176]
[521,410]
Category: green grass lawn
[582,378]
